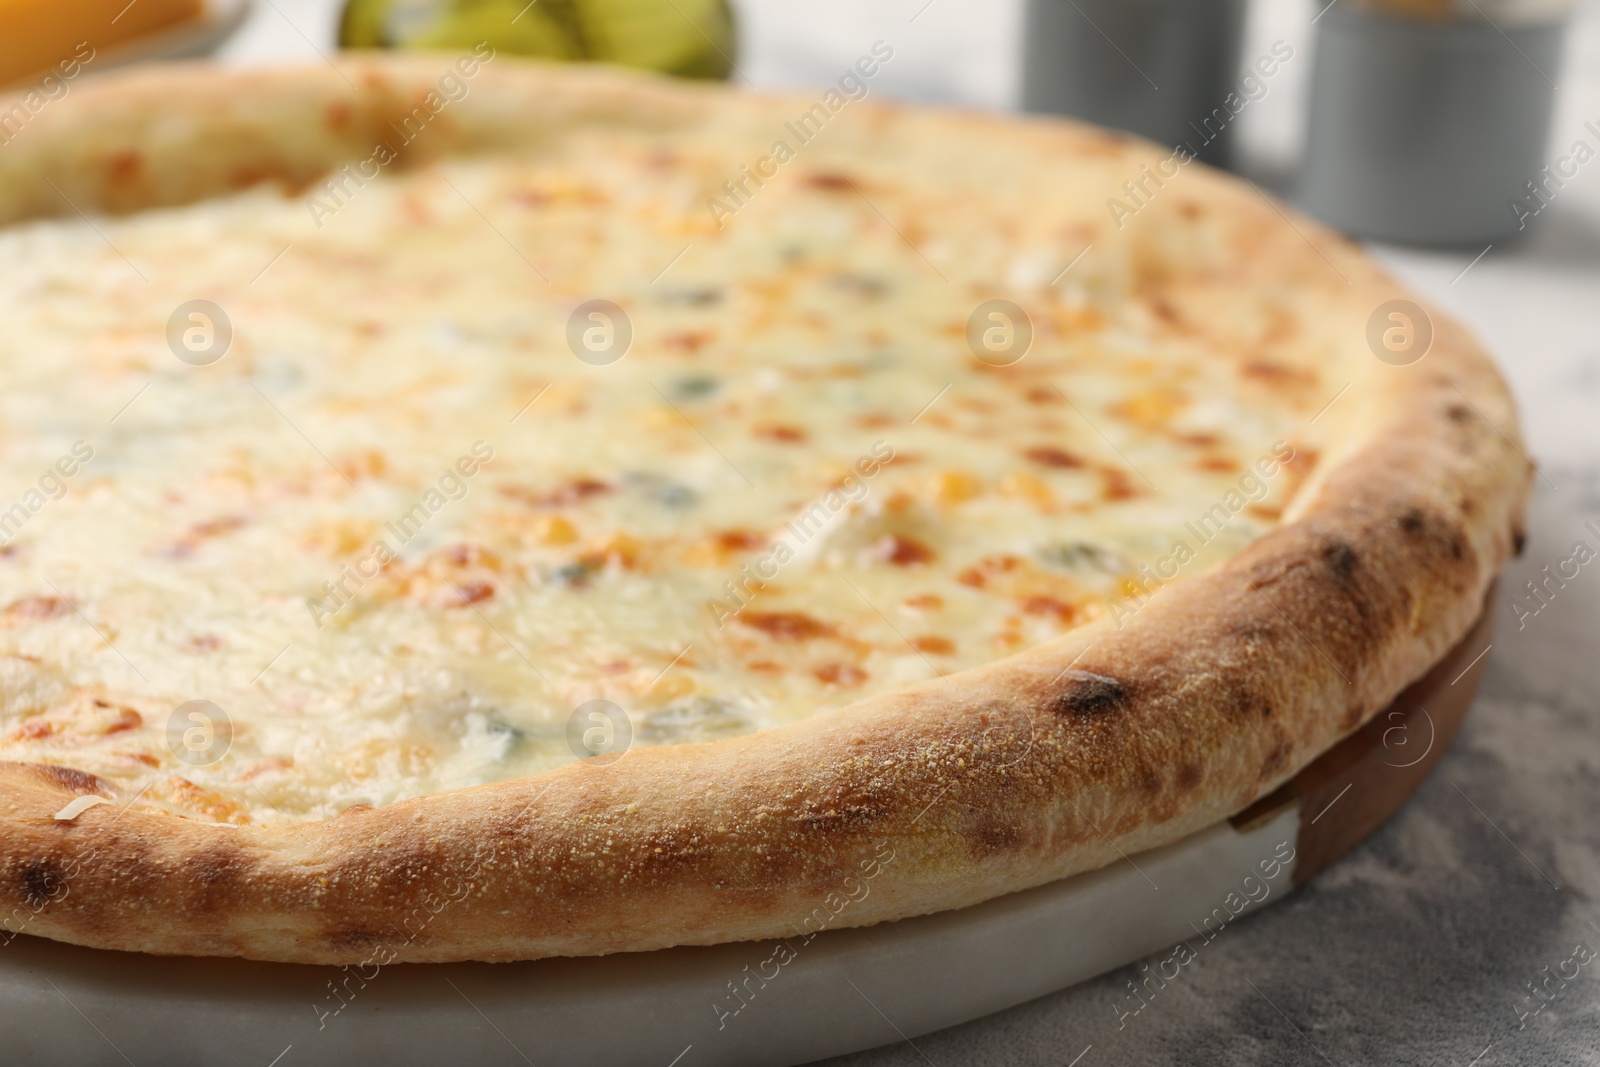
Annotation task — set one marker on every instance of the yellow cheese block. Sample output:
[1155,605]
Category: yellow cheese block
[37,35]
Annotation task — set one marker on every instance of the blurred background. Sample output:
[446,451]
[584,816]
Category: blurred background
[1425,122]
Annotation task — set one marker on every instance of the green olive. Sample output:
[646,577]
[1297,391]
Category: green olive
[689,38]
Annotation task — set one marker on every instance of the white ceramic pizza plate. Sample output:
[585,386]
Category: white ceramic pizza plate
[740,1005]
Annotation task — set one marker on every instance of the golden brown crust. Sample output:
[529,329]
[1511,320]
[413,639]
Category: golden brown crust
[934,796]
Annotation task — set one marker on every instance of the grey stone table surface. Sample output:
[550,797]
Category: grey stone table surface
[1419,947]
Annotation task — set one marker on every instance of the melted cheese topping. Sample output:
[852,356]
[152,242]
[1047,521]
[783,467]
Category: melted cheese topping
[400,384]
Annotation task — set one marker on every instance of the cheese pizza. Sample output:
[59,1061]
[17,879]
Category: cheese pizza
[619,511]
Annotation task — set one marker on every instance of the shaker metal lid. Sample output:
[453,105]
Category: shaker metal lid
[1518,12]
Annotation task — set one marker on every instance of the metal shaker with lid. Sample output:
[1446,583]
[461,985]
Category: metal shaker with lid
[1159,68]
[1429,118]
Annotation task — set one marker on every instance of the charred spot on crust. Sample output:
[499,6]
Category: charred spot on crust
[1242,701]
[1087,695]
[1250,704]
[1421,524]
[218,868]
[1341,559]
[1519,541]
[993,838]
[39,879]
[1190,775]
[70,778]
[1459,413]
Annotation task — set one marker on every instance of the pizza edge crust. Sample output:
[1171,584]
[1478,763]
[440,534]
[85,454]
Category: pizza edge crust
[935,796]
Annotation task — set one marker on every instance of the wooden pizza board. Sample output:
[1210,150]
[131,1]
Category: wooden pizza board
[740,1005]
